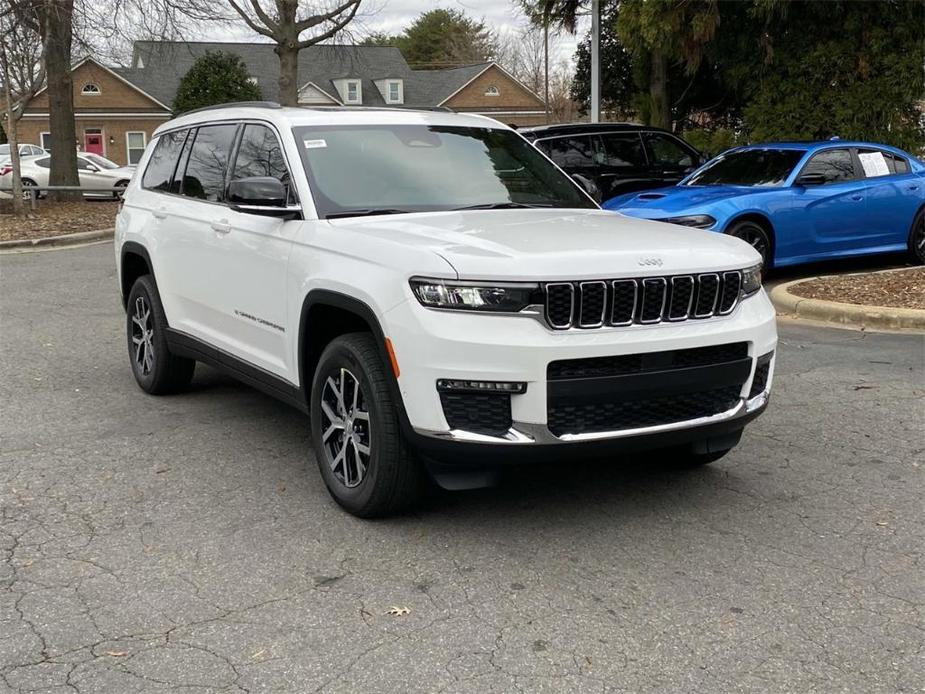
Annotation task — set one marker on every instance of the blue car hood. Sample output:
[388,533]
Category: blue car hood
[667,202]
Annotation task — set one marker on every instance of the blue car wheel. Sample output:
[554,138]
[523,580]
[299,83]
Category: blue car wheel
[917,239]
[756,236]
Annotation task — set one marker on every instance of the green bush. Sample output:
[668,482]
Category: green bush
[215,78]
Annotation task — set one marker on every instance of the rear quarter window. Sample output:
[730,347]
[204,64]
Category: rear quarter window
[163,161]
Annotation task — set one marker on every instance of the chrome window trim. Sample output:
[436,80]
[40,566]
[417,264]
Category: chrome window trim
[581,290]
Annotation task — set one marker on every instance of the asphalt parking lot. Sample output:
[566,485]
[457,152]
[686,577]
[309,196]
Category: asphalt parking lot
[188,544]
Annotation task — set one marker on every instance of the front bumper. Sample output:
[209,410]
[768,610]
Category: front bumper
[432,345]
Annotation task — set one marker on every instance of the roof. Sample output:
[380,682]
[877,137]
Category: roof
[809,145]
[580,128]
[286,117]
[160,65]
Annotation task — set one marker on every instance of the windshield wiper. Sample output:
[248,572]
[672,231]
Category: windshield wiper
[499,206]
[369,212]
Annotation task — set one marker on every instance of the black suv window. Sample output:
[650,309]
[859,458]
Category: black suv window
[623,150]
[207,166]
[163,161]
[835,164]
[569,151]
[666,151]
[260,154]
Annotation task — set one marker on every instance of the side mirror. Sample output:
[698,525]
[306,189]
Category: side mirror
[262,195]
[589,186]
[91,168]
[812,179]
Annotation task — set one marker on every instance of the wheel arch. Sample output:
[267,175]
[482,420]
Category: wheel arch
[763,221]
[135,262]
[337,314]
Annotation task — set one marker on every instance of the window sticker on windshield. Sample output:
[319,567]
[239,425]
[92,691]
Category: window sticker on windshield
[874,164]
[315,144]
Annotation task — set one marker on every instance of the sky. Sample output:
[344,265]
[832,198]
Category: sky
[391,16]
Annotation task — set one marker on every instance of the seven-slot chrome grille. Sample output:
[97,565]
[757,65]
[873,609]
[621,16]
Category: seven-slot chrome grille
[646,300]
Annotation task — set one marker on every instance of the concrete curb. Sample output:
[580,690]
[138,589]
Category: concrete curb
[851,315]
[58,241]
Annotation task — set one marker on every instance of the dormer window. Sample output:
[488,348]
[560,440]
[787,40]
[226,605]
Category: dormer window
[91,89]
[354,92]
[394,92]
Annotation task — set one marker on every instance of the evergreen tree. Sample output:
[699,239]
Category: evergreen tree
[215,78]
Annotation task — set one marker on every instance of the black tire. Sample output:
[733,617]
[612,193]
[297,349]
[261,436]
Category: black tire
[387,478]
[120,186]
[26,184]
[757,237]
[917,239]
[156,370]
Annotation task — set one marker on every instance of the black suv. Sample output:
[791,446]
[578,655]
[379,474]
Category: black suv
[616,157]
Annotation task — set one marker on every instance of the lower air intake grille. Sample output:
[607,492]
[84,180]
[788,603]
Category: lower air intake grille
[483,413]
[566,417]
[762,371]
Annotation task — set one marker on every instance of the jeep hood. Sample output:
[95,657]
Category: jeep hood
[536,244]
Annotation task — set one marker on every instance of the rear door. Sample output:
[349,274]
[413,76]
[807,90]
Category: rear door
[893,197]
[831,217]
[670,159]
[574,154]
[90,177]
[623,164]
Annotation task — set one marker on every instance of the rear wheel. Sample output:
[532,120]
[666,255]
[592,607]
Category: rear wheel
[756,236]
[120,189]
[917,239]
[26,184]
[156,369]
[364,460]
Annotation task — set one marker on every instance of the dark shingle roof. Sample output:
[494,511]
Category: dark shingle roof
[165,62]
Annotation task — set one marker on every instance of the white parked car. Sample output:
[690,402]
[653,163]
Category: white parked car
[103,178]
[437,295]
[25,150]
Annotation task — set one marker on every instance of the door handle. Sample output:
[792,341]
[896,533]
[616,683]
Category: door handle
[857,197]
[221,226]
[160,213]
[913,187]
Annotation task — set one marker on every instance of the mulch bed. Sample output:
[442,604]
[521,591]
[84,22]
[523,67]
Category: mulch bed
[56,218]
[899,289]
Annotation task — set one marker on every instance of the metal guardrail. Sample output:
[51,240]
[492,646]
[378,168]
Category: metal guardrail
[33,191]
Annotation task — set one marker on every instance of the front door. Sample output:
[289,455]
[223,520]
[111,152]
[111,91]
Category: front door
[93,143]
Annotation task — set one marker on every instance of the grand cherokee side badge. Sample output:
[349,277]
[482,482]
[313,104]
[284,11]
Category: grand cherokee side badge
[651,262]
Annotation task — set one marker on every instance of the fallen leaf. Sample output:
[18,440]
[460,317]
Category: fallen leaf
[399,611]
[882,523]
[117,654]
[259,653]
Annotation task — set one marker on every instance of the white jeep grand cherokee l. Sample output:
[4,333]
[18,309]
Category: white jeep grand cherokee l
[436,294]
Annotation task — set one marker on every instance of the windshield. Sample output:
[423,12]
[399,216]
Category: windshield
[102,162]
[389,169]
[748,167]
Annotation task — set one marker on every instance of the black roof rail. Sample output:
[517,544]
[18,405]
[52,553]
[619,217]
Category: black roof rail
[234,104]
[385,107]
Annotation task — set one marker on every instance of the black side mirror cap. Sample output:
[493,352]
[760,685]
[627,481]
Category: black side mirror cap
[263,195]
[812,179]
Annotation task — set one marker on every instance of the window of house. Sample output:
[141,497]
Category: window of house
[207,166]
[45,139]
[492,90]
[91,89]
[354,95]
[394,91]
[163,161]
[835,164]
[260,154]
[135,142]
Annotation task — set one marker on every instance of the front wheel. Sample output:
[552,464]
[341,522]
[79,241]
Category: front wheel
[364,460]
[917,239]
[757,237]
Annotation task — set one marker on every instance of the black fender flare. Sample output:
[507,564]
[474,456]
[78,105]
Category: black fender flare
[134,248]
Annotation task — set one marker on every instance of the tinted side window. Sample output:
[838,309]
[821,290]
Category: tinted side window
[570,151]
[835,164]
[896,163]
[45,162]
[667,151]
[260,154]
[623,150]
[84,165]
[208,163]
[163,161]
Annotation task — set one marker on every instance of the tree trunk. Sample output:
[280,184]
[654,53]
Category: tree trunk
[58,35]
[288,52]
[659,113]
[12,138]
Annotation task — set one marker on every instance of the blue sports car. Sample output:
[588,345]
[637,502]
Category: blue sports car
[798,202]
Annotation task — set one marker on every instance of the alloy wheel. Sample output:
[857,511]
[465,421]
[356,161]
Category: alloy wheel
[143,336]
[345,426]
[756,238]
[918,238]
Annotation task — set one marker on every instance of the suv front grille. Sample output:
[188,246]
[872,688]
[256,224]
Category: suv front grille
[645,301]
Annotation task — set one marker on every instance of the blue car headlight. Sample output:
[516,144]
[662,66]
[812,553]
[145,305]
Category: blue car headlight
[751,280]
[698,221]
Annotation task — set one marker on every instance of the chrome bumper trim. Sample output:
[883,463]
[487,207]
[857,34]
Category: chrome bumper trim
[523,433]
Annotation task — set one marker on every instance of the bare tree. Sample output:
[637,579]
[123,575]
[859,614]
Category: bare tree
[22,72]
[285,24]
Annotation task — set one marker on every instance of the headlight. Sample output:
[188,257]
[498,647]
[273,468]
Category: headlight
[751,280]
[700,221]
[474,296]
